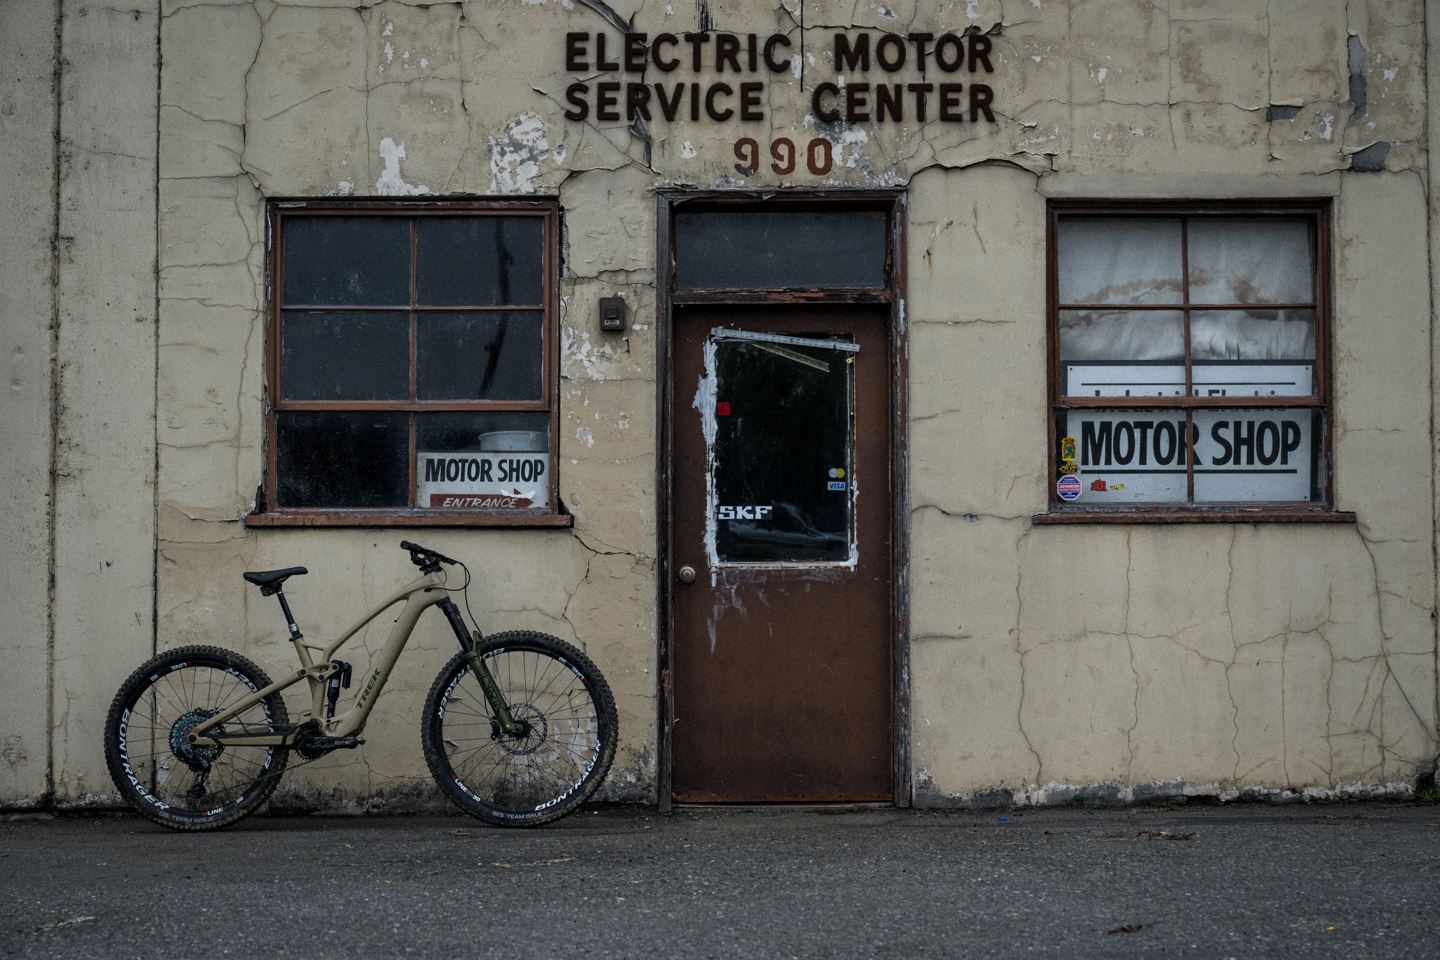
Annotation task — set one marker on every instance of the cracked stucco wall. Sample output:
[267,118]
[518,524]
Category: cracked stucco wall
[27,53]
[1046,661]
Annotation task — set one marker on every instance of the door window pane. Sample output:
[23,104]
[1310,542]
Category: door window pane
[336,261]
[479,261]
[334,459]
[782,478]
[717,250]
[479,356]
[345,356]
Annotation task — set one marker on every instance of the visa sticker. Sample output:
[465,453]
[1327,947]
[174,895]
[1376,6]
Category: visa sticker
[835,485]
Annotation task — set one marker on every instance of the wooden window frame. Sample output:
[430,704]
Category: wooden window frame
[1318,211]
[278,211]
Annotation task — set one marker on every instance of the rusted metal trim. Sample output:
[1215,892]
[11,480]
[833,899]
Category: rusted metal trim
[838,295]
[418,406]
[393,518]
[664,274]
[903,787]
[1276,514]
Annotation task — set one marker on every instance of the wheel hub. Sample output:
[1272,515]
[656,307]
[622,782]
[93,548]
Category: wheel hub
[192,755]
[525,743]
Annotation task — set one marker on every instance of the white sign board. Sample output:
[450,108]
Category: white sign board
[464,480]
[1209,379]
[1131,456]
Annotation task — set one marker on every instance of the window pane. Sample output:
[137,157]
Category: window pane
[1119,260]
[1121,353]
[342,459]
[1250,455]
[345,356]
[1250,261]
[782,475]
[482,461]
[479,261]
[479,356]
[1252,334]
[1126,456]
[361,261]
[726,250]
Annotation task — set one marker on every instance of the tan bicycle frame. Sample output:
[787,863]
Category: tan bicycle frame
[418,596]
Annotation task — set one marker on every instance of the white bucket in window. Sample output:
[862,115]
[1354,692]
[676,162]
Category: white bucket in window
[514,441]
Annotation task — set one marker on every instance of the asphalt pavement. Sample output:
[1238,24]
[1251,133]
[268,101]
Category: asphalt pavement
[1314,880]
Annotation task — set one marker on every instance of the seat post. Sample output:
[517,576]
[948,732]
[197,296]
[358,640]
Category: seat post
[295,633]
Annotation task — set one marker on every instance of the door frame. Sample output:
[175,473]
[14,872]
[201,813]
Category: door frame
[895,205]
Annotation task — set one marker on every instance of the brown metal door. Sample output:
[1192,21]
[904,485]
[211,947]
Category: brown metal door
[781,654]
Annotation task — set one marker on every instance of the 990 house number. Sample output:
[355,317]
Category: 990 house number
[819,158]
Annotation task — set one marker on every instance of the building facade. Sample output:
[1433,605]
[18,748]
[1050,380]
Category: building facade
[1000,401]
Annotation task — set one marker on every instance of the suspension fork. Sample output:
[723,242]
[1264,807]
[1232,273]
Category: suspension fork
[471,645]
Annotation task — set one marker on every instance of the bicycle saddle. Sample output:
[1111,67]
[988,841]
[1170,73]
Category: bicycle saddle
[269,578]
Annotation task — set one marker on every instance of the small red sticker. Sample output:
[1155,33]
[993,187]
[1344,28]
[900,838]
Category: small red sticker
[1098,486]
[722,408]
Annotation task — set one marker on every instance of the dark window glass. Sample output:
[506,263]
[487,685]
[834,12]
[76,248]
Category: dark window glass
[725,250]
[335,459]
[347,261]
[781,462]
[479,356]
[480,261]
[346,356]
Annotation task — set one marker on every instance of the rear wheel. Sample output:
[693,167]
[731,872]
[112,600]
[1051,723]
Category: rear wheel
[543,773]
[165,777]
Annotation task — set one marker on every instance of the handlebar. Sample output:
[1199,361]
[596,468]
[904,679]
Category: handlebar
[422,556]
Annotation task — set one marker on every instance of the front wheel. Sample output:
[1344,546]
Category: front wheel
[543,773]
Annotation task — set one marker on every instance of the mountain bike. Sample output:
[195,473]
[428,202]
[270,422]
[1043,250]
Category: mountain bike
[518,729]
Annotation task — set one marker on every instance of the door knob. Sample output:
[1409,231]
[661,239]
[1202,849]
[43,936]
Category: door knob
[687,574]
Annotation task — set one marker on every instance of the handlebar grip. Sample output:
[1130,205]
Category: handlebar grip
[415,548]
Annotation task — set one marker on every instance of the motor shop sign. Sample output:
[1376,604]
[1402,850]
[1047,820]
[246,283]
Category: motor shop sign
[482,481]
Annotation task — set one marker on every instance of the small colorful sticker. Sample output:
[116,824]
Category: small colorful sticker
[1117,486]
[1067,449]
[835,485]
[722,408]
[1097,486]
[837,473]
[1071,467]
[1068,488]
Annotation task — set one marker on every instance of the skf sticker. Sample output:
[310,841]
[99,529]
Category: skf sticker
[744,513]
[1067,488]
[1097,486]
[835,485]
